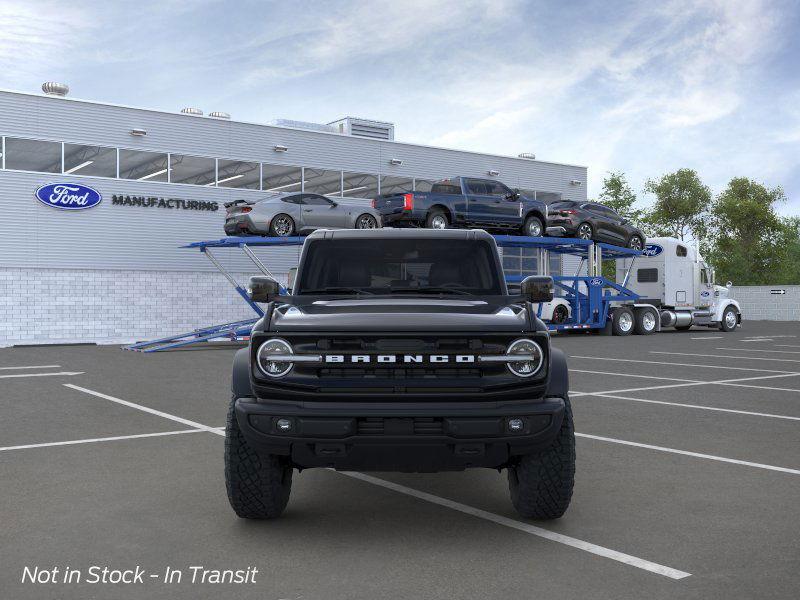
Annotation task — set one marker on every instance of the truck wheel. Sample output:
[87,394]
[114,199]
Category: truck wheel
[645,322]
[623,322]
[729,320]
[437,219]
[533,227]
[541,483]
[258,484]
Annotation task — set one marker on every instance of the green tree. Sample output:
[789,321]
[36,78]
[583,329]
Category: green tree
[618,195]
[750,243]
[681,205]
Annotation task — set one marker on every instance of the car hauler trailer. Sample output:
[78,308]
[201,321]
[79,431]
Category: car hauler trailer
[593,302]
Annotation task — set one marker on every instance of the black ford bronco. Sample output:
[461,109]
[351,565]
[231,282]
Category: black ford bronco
[400,350]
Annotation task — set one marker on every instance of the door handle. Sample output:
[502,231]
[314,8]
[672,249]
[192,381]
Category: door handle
[307,210]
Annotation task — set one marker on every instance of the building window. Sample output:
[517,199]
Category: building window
[280,178]
[96,161]
[144,166]
[359,185]
[33,155]
[423,185]
[194,170]
[237,174]
[396,185]
[321,181]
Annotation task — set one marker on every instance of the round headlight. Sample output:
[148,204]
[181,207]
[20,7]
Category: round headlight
[271,367]
[525,368]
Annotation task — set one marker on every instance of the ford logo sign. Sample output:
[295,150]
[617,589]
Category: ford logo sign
[705,294]
[596,281]
[68,196]
[652,250]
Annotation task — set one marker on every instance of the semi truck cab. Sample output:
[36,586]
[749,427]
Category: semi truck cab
[672,276]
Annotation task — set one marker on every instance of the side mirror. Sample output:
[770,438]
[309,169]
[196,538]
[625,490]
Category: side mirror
[537,289]
[334,204]
[290,279]
[729,285]
[263,289]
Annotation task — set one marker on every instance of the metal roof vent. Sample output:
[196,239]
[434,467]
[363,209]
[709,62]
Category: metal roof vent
[527,155]
[377,130]
[192,111]
[51,88]
[219,115]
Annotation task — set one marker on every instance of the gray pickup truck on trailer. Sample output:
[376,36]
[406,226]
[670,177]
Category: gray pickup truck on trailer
[400,350]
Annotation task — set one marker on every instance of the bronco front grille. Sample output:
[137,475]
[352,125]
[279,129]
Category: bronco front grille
[412,373]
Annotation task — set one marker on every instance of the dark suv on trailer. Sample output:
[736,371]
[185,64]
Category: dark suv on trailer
[400,350]
[593,221]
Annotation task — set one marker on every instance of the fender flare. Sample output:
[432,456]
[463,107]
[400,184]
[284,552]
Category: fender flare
[240,382]
[558,385]
[730,302]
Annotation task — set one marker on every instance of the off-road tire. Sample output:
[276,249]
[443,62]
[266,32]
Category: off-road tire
[433,214]
[541,484]
[258,485]
[531,222]
[640,326]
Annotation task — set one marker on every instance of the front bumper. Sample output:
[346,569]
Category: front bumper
[399,436]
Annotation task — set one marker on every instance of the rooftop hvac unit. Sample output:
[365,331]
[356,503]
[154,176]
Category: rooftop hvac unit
[303,125]
[192,111]
[219,115]
[377,130]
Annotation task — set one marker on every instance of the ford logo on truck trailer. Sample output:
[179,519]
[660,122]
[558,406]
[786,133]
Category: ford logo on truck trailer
[68,196]
[652,250]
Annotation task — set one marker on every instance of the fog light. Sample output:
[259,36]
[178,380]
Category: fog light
[283,424]
[516,424]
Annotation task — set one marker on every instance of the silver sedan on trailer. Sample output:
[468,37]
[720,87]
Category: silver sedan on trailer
[293,213]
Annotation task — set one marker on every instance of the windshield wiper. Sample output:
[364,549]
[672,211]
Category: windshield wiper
[431,290]
[337,290]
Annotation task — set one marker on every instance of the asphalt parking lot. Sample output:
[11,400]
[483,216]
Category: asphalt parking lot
[687,485]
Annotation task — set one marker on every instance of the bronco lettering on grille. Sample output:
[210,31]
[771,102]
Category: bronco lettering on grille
[399,358]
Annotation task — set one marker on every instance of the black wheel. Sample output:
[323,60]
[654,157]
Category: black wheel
[730,320]
[560,314]
[541,483]
[623,322]
[533,227]
[635,243]
[366,221]
[645,321]
[437,219]
[281,226]
[258,484]
[584,231]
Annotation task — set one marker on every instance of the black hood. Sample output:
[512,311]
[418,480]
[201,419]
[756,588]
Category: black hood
[487,314]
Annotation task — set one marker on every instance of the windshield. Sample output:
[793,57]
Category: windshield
[381,266]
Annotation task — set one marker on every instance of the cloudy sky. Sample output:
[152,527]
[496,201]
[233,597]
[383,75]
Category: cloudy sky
[641,87]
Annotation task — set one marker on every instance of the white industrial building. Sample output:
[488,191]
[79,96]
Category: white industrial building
[115,272]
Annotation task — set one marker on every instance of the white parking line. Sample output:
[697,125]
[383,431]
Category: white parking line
[733,382]
[103,439]
[698,406]
[634,375]
[31,367]
[687,453]
[787,346]
[627,559]
[146,409]
[672,364]
[64,373]
[759,350]
[708,337]
[793,360]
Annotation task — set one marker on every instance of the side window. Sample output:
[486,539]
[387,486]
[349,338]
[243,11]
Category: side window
[495,188]
[704,276]
[476,186]
[445,187]
[647,275]
[292,200]
[315,200]
[681,250]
